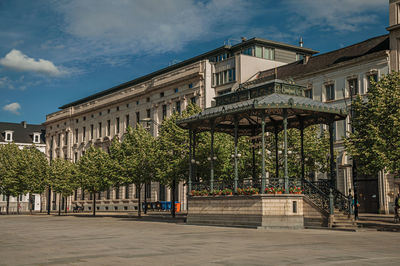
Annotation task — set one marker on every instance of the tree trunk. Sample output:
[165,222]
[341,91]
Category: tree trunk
[30,203]
[59,205]
[173,198]
[66,205]
[8,204]
[139,202]
[17,204]
[145,199]
[94,202]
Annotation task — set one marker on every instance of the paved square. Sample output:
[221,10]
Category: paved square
[43,240]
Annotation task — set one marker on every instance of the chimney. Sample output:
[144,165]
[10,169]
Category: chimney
[301,42]
[23,123]
[306,58]
[243,39]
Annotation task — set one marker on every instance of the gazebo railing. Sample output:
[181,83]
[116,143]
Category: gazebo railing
[245,183]
[341,201]
[316,195]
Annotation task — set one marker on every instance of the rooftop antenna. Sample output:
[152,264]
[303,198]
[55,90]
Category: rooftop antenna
[229,41]
[301,42]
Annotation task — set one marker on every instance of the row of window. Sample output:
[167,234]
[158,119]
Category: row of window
[352,86]
[119,194]
[260,52]
[162,94]
[4,197]
[100,125]
[224,77]
[9,136]
[220,57]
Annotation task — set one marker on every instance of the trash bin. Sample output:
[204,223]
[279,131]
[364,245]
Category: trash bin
[168,205]
[158,205]
[163,205]
[177,206]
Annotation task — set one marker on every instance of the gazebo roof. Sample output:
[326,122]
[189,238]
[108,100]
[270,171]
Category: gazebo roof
[248,106]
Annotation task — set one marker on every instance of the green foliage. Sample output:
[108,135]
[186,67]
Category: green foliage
[95,170]
[134,157]
[11,180]
[316,151]
[63,177]
[375,144]
[173,148]
[35,170]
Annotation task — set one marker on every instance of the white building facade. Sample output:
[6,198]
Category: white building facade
[99,118]
[331,77]
[23,135]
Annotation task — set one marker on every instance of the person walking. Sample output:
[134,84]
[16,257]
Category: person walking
[396,208]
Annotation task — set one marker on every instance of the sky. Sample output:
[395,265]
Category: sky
[53,52]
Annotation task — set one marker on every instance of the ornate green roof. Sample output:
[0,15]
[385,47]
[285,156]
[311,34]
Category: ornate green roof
[275,97]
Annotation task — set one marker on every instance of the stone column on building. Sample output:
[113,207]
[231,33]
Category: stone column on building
[183,100]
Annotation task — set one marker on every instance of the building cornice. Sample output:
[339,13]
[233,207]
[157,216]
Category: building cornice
[376,55]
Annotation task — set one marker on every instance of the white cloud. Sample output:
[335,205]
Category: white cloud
[13,108]
[107,28]
[339,15]
[16,60]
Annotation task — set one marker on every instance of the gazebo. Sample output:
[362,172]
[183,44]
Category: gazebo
[253,110]
[259,108]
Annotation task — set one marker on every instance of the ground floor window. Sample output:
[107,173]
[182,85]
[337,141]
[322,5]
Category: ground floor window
[127,192]
[162,193]
[148,190]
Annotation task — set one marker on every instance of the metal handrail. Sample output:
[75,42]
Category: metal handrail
[316,195]
[341,201]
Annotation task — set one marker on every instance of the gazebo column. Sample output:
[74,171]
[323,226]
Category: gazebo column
[276,155]
[253,152]
[263,179]
[236,155]
[302,151]
[332,156]
[190,162]
[212,156]
[194,156]
[285,123]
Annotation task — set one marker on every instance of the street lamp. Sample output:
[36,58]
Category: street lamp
[352,91]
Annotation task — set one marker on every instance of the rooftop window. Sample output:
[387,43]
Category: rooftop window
[36,137]
[9,135]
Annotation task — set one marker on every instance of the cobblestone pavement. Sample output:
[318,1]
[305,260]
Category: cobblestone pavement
[52,240]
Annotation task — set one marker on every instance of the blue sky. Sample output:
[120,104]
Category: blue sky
[53,52]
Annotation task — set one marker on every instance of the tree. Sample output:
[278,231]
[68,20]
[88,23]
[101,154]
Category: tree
[173,151]
[95,172]
[134,159]
[35,172]
[10,172]
[316,151]
[63,178]
[375,143]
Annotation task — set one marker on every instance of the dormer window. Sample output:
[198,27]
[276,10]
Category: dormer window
[9,135]
[36,137]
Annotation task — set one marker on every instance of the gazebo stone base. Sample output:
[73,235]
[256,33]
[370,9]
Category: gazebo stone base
[265,211]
